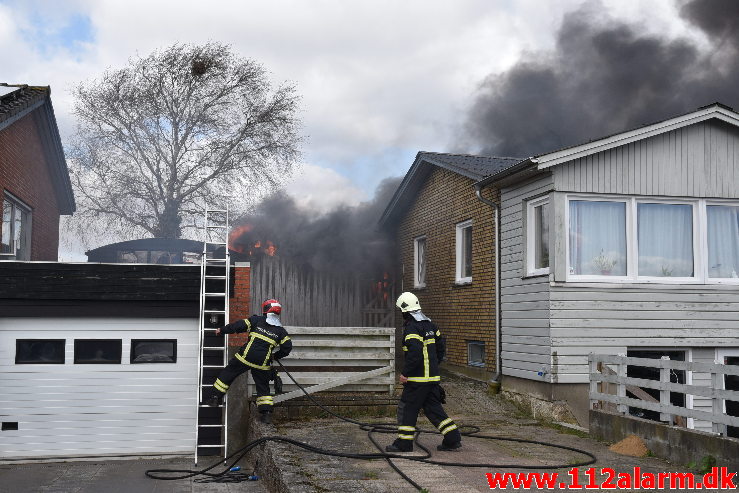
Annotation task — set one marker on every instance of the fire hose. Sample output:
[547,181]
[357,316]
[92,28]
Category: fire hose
[371,429]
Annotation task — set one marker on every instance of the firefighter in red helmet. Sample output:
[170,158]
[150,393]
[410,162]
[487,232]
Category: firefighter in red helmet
[265,332]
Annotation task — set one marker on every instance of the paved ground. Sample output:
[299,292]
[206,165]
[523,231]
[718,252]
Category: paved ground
[468,403]
[305,472]
[120,476]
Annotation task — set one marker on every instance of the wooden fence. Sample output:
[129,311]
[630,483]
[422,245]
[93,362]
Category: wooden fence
[609,384]
[344,359]
[318,299]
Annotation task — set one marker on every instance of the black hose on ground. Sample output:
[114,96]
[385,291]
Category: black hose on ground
[371,428]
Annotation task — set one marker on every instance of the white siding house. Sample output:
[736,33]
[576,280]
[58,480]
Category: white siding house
[636,248]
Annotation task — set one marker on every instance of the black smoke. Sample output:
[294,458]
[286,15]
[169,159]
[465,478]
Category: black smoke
[606,76]
[345,240]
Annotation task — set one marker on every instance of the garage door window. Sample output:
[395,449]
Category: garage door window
[39,351]
[153,351]
[97,351]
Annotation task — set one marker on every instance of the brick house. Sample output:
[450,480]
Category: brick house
[445,240]
[623,245]
[35,188]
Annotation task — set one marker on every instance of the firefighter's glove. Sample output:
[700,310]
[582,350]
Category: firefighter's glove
[442,394]
[278,384]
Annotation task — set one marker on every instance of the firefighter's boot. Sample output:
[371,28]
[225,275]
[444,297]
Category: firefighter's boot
[266,417]
[398,446]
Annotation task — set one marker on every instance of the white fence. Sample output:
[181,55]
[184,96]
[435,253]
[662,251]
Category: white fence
[609,384]
[343,359]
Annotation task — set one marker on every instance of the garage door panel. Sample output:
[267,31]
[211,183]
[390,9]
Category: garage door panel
[74,409]
[85,417]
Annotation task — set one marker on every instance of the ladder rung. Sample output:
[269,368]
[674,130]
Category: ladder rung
[209,329]
[214,311]
[215,260]
[213,366]
[216,277]
[214,294]
[216,210]
[210,446]
[210,426]
[217,227]
[214,348]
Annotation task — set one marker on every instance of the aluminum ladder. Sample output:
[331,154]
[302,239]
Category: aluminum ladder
[211,436]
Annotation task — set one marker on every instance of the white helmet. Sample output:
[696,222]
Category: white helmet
[408,302]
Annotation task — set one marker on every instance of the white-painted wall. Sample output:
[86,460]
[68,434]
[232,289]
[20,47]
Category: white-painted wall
[68,410]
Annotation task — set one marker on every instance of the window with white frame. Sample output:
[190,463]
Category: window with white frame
[464,252]
[15,231]
[722,222]
[419,262]
[641,239]
[537,246]
[597,237]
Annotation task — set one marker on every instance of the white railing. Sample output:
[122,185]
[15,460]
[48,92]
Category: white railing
[343,359]
[609,384]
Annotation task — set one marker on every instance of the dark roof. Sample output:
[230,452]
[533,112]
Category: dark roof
[46,289]
[24,100]
[474,167]
[181,244]
[20,102]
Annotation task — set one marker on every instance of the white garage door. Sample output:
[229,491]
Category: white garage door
[91,386]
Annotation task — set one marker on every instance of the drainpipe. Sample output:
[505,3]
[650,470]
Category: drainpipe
[496,214]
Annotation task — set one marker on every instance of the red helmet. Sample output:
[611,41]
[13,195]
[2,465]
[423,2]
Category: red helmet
[271,306]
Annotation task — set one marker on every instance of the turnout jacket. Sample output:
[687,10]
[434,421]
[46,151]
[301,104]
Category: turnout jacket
[424,348]
[263,337]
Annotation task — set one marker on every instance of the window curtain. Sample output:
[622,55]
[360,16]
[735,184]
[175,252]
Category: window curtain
[597,238]
[723,241]
[665,235]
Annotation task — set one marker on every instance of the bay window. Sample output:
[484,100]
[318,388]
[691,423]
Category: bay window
[723,241]
[636,239]
[597,238]
[665,240]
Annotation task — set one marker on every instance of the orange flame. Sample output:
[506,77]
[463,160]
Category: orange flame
[235,234]
[271,249]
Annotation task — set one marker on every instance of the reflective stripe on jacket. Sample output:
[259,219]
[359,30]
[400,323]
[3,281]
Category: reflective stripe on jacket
[424,348]
[263,338]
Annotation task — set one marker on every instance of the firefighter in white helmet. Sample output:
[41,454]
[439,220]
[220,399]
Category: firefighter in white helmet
[424,349]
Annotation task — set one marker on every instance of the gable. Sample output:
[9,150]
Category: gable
[472,168]
[697,160]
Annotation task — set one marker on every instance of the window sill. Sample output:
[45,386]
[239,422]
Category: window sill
[535,276]
[462,283]
[420,288]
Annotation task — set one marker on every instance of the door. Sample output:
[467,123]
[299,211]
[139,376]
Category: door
[94,387]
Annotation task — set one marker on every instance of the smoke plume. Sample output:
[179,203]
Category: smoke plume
[345,240]
[605,76]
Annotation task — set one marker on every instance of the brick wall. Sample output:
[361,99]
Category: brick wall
[462,312]
[24,172]
[239,302]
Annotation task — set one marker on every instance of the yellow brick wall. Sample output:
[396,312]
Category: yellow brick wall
[462,312]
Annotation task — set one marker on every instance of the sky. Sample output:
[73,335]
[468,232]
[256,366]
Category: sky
[379,79]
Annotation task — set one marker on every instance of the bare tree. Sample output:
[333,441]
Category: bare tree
[182,126]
